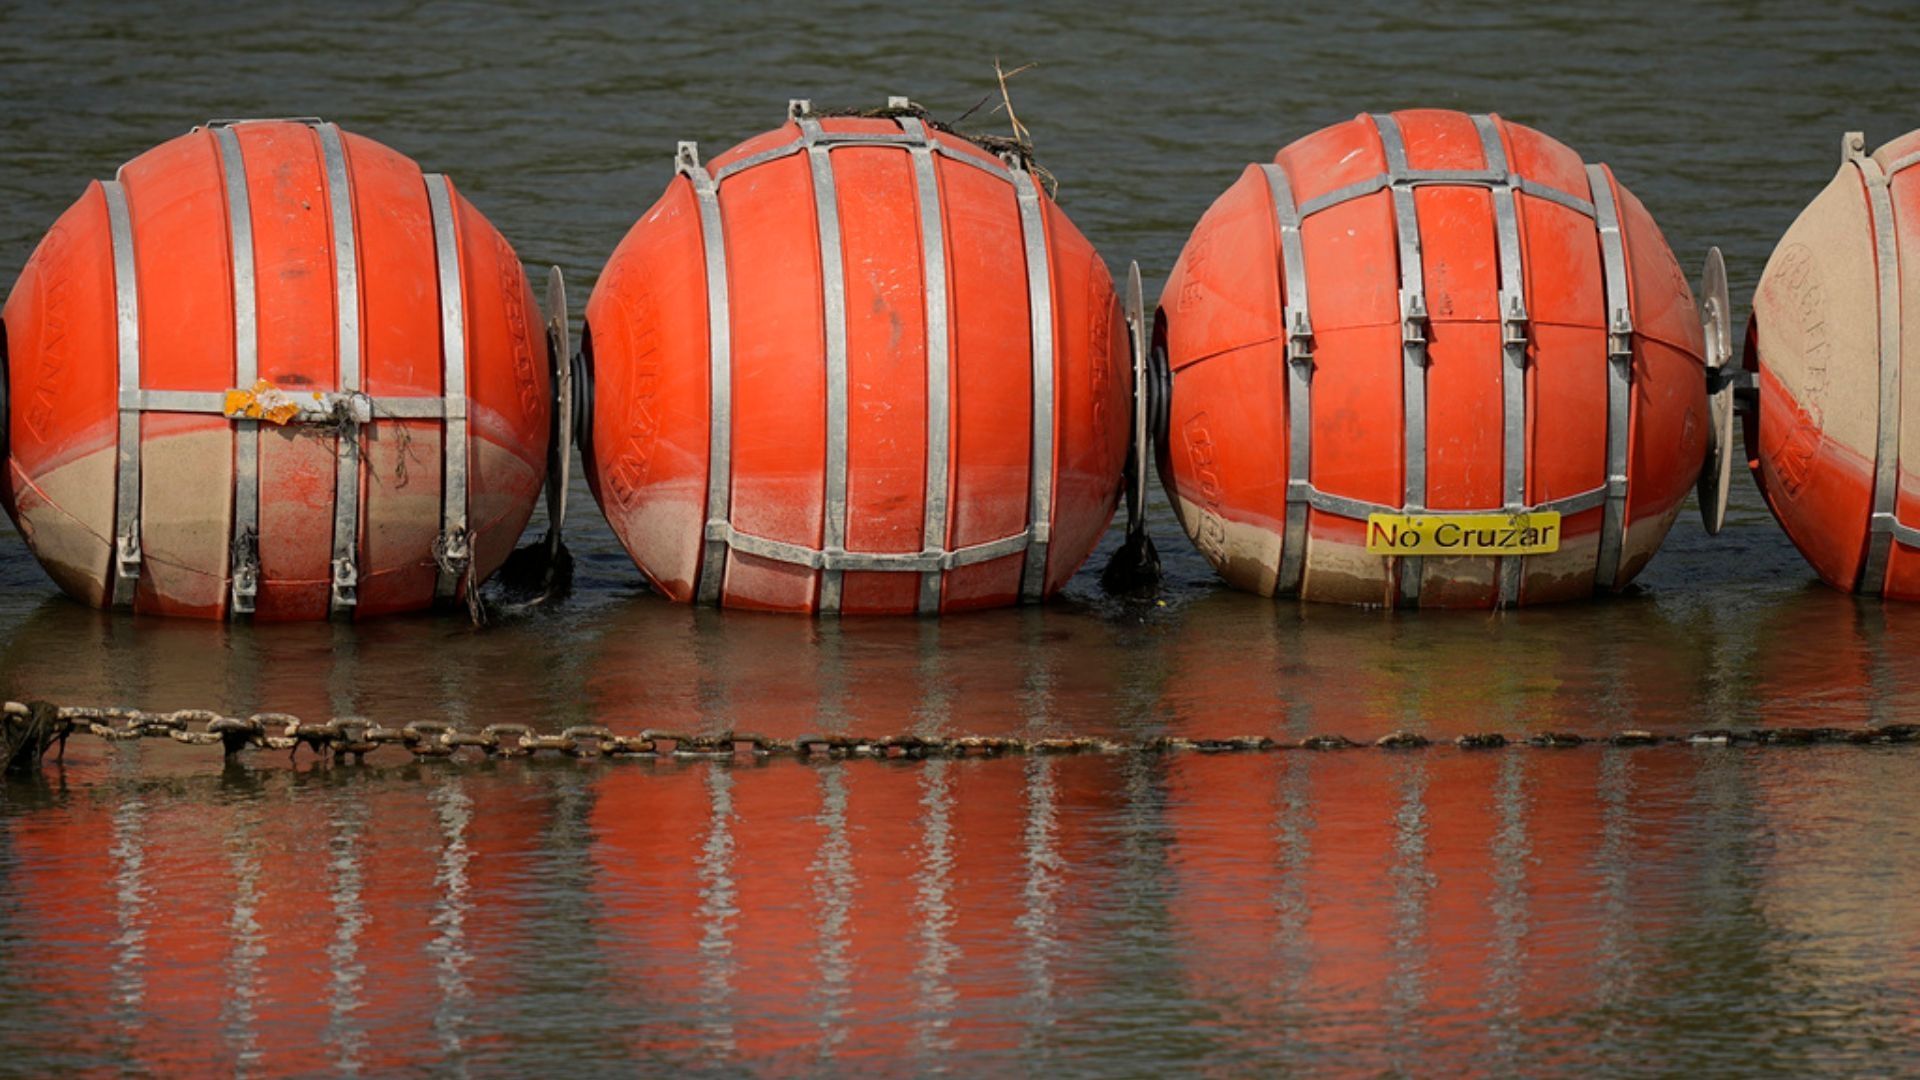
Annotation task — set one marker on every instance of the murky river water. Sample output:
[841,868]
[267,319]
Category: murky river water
[1640,911]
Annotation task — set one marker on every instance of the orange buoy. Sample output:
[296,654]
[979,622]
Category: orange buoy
[1429,359]
[856,364]
[1835,340]
[273,369]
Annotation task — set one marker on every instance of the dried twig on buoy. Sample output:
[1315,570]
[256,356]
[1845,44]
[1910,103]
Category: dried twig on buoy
[1020,131]
[1022,137]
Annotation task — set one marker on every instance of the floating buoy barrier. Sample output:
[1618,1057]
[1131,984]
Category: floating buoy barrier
[274,370]
[1429,359]
[1835,343]
[856,364]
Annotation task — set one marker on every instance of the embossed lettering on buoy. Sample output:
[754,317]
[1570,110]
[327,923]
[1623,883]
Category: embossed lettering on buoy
[1835,339]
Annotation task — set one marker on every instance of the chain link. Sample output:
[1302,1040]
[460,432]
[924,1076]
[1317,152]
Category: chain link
[355,737]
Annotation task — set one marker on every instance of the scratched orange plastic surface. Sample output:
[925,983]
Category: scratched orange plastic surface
[62,342]
[1224,461]
[648,339]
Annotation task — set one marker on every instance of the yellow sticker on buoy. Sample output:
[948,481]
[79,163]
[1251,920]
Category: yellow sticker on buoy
[1534,533]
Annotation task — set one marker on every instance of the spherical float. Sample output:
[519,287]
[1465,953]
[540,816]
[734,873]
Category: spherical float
[1835,342]
[856,364]
[272,369]
[1428,359]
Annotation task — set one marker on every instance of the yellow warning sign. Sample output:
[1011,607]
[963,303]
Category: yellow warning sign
[1464,534]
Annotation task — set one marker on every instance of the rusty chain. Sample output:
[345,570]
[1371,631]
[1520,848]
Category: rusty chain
[352,738]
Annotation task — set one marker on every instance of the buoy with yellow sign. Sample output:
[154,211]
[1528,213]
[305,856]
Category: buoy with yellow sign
[1429,359]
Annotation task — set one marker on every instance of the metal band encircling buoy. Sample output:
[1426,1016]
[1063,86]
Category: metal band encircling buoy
[933,261]
[831,558]
[1513,348]
[453,551]
[1613,256]
[244,555]
[126,304]
[1413,341]
[345,590]
[833,302]
[719,512]
[1884,522]
[1298,320]
[1040,306]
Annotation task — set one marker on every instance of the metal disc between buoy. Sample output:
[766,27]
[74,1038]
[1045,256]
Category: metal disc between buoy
[560,450]
[1142,436]
[1716,324]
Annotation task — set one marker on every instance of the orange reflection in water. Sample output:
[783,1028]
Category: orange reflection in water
[1497,911]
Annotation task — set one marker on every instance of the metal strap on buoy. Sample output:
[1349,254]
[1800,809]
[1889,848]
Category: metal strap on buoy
[1298,319]
[348,408]
[453,550]
[1040,307]
[244,556]
[1413,340]
[933,262]
[1613,256]
[713,561]
[1884,526]
[1513,347]
[1515,337]
[345,590]
[126,305]
[832,558]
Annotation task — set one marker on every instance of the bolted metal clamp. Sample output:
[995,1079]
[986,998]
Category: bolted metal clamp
[127,555]
[453,551]
[1413,320]
[346,583]
[246,574]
